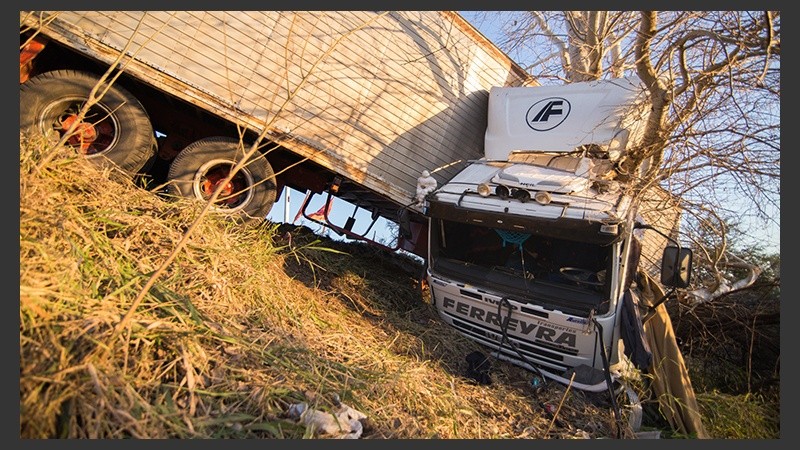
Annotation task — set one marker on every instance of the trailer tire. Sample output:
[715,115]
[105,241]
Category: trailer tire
[115,131]
[198,169]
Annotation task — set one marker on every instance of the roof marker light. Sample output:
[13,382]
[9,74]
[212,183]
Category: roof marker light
[521,195]
[502,192]
[542,197]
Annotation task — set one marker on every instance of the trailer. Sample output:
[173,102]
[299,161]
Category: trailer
[353,104]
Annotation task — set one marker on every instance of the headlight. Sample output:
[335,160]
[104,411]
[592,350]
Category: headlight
[484,190]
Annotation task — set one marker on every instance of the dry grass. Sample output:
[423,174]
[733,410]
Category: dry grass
[245,322]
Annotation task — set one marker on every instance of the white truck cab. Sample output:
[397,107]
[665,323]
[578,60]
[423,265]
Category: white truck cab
[532,248]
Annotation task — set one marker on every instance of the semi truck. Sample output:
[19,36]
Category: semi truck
[509,191]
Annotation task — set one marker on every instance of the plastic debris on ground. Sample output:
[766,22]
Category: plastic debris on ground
[342,422]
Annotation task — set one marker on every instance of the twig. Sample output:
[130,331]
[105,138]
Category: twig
[555,414]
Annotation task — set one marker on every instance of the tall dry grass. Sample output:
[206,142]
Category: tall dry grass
[245,322]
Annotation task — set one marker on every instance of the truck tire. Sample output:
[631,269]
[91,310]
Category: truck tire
[202,165]
[116,130]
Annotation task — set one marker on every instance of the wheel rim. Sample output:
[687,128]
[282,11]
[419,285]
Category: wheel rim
[234,195]
[96,133]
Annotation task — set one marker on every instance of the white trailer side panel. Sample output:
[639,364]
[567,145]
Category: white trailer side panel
[376,97]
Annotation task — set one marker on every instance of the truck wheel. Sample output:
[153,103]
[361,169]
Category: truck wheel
[115,130]
[201,166]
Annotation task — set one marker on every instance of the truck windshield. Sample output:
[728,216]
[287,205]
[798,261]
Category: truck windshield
[569,275]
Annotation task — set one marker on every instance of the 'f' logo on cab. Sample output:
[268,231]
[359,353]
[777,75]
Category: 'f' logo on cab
[547,114]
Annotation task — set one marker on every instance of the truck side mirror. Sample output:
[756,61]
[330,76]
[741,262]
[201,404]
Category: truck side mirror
[676,266]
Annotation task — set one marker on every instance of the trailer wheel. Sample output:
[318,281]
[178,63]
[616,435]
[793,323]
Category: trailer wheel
[116,130]
[201,166]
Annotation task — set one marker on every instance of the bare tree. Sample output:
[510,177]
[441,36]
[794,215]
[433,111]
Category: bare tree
[713,133]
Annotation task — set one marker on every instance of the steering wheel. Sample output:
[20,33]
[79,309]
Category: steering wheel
[580,276]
